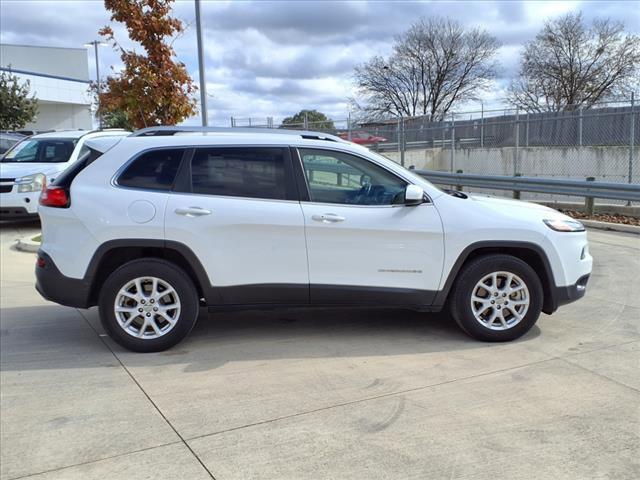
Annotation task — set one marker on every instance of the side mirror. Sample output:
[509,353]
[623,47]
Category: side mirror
[413,195]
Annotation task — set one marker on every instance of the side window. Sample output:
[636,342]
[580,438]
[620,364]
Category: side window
[154,170]
[336,177]
[56,151]
[253,172]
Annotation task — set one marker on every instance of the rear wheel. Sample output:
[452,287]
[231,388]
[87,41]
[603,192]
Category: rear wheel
[148,305]
[496,298]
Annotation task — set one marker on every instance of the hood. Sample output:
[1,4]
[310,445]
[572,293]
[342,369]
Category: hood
[17,170]
[517,209]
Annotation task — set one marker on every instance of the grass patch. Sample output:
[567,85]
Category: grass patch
[37,238]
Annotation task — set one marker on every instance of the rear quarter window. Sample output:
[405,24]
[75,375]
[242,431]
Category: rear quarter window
[153,170]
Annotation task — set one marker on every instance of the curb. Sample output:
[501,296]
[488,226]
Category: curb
[614,227]
[27,245]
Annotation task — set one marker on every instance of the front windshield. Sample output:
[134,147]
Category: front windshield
[41,150]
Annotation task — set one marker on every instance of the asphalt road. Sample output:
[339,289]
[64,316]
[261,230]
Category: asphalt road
[324,394]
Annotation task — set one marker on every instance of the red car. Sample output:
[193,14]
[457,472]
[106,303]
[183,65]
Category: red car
[362,138]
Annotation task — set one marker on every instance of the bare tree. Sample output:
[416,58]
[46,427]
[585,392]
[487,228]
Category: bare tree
[570,65]
[434,64]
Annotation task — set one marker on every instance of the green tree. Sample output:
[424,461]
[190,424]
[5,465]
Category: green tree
[117,119]
[315,120]
[17,108]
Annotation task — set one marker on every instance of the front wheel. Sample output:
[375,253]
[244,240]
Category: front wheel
[496,298]
[148,305]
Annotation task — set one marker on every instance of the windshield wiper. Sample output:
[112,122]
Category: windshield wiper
[455,193]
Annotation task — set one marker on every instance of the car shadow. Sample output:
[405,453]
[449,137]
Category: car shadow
[54,337]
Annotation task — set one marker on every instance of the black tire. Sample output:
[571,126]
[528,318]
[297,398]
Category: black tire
[471,274]
[149,267]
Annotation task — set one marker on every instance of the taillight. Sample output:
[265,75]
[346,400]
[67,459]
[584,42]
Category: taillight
[54,197]
[41,262]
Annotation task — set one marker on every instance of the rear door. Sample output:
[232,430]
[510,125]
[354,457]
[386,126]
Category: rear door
[237,208]
[364,245]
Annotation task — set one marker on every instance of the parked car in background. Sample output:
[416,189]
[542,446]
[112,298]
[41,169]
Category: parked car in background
[162,223]
[8,140]
[27,167]
[28,133]
[362,138]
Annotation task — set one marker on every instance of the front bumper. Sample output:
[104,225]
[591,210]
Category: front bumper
[15,213]
[572,293]
[18,205]
[54,286]
[571,264]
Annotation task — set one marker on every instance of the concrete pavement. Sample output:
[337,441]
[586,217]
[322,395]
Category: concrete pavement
[324,394]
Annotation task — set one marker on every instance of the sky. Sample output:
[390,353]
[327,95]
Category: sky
[274,58]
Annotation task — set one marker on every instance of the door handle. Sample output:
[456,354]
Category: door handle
[328,218]
[192,211]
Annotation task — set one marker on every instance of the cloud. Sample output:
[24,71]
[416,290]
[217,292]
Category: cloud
[272,58]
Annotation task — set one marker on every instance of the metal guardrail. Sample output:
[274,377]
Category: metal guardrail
[577,188]
[423,144]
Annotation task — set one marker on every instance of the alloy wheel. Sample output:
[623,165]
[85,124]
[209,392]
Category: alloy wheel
[147,307]
[500,300]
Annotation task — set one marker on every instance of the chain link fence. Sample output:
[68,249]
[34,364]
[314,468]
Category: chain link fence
[601,142]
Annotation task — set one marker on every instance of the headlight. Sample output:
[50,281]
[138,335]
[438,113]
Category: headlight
[31,183]
[564,225]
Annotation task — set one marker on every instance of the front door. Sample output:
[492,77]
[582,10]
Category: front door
[364,245]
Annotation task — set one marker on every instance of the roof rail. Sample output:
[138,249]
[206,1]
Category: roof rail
[98,130]
[168,131]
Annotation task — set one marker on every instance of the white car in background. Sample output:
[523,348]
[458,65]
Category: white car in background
[8,140]
[36,161]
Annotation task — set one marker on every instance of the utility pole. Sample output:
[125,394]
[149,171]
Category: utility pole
[632,137]
[481,124]
[203,85]
[95,44]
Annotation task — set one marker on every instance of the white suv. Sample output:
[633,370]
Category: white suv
[30,164]
[164,222]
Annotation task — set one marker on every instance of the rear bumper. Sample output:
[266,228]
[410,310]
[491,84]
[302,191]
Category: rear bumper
[54,286]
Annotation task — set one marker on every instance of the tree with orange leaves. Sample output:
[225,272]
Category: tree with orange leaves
[152,89]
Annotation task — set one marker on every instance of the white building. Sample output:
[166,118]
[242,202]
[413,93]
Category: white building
[59,79]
